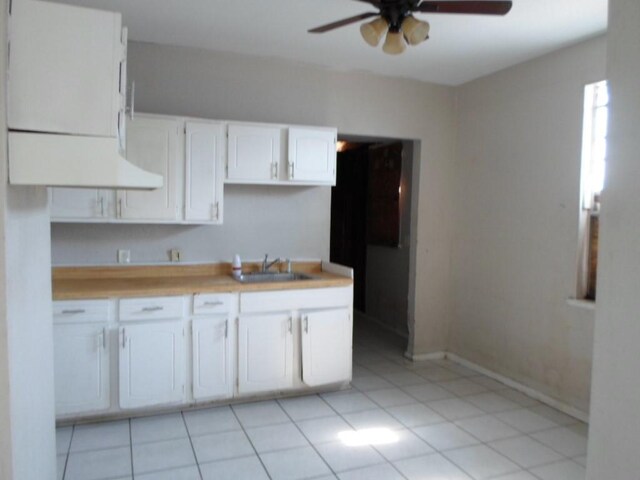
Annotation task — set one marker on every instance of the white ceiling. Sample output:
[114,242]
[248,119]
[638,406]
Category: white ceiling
[461,47]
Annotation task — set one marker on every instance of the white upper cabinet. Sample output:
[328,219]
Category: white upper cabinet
[312,155]
[262,154]
[326,346]
[154,145]
[77,204]
[254,153]
[204,160]
[58,83]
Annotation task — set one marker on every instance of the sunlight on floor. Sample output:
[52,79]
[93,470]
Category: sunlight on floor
[368,436]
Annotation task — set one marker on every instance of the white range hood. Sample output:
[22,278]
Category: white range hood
[67,99]
[73,161]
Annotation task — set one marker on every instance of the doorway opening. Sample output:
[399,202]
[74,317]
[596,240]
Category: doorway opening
[371,228]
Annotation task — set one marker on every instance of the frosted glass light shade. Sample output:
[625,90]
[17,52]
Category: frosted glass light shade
[373,31]
[415,31]
[394,44]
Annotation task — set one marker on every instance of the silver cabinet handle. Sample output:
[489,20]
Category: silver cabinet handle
[120,208]
[104,337]
[291,170]
[217,210]
[273,170]
[226,329]
[73,311]
[131,108]
[213,304]
[152,309]
[276,170]
[306,324]
[290,324]
[124,339]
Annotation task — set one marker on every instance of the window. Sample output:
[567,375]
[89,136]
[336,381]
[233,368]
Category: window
[594,153]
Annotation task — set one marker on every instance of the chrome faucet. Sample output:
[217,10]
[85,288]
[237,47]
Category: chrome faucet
[266,265]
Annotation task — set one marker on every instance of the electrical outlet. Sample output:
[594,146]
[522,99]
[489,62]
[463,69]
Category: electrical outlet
[175,255]
[124,256]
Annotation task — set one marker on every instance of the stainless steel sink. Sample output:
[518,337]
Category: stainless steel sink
[261,277]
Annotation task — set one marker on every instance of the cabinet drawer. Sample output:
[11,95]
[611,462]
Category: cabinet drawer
[205,303]
[85,311]
[281,300]
[151,308]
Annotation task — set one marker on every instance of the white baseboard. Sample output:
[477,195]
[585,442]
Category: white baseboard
[425,356]
[531,392]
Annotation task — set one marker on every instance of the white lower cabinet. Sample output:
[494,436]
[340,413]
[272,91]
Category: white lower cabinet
[116,355]
[326,346]
[213,357]
[81,365]
[265,352]
[152,364]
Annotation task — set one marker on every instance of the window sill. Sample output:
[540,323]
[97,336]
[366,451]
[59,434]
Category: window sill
[581,303]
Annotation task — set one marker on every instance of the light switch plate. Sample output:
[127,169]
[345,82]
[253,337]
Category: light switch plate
[124,256]
[175,255]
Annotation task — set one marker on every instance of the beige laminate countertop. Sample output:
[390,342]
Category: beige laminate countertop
[77,283]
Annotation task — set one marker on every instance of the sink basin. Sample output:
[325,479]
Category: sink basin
[262,277]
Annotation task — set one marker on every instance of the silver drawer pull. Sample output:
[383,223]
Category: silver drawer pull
[213,304]
[74,311]
[306,324]
[152,309]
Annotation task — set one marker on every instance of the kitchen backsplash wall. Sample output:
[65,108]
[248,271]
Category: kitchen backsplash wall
[281,221]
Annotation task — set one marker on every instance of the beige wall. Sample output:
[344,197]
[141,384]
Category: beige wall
[193,82]
[27,435]
[614,434]
[516,227]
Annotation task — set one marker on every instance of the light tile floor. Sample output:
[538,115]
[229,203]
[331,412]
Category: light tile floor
[425,421]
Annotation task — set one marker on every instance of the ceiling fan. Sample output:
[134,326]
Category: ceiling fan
[395,18]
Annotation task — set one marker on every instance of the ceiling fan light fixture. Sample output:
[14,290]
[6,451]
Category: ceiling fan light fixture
[372,32]
[415,31]
[394,44]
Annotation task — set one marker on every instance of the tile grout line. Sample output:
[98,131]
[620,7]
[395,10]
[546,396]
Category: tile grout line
[351,425]
[193,450]
[306,438]
[133,476]
[66,458]
[250,441]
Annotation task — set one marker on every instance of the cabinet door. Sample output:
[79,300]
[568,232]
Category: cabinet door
[78,204]
[212,358]
[254,153]
[204,148]
[153,144]
[265,352]
[326,346]
[64,69]
[152,364]
[312,155]
[81,365]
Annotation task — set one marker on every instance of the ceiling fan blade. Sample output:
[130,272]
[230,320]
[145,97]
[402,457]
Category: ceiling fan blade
[375,3]
[463,6]
[343,22]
